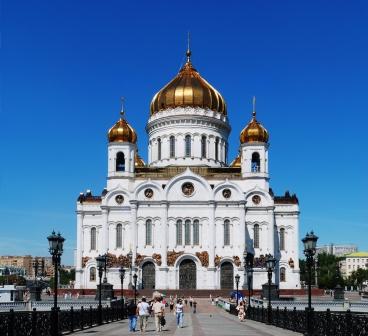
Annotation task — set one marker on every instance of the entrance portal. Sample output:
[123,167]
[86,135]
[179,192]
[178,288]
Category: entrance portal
[227,276]
[187,274]
[148,275]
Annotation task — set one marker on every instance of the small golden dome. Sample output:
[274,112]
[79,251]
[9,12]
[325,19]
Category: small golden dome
[122,132]
[236,163]
[254,132]
[188,88]
[138,161]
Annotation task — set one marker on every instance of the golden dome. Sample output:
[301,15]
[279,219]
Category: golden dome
[188,88]
[122,132]
[236,163]
[254,132]
[138,161]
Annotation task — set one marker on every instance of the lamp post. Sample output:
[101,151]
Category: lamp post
[135,277]
[270,264]
[122,275]
[310,243]
[249,267]
[130,257]
[237,279]
[56,242]
[100,260]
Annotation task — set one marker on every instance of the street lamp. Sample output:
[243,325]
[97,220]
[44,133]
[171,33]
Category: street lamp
[249,266]
[130,257]
[122,275]
[100,260]
[135,277]
[270,264]
[237,279]
[310,243]
[56,242]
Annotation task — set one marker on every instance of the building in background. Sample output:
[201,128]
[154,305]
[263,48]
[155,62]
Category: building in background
[353,262]
[338,250]
[29,264]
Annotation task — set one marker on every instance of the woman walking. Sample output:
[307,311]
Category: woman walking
[241,311]
[179,310]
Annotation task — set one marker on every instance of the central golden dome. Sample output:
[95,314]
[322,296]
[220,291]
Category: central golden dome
[188,88]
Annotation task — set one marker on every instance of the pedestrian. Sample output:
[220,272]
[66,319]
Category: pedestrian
[132,315]
[194,306]
[179,310]
[241,311]
[171,305]
[143,310]
[159,311]
[186,301]
[190,301]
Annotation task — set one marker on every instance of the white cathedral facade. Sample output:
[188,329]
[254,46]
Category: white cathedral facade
[186,219]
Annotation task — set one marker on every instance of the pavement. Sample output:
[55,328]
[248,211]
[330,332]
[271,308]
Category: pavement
[208,321]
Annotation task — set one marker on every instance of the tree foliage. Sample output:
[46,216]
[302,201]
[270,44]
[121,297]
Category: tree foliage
[12,279]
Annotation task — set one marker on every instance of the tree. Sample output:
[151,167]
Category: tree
[65,277]
[12,279]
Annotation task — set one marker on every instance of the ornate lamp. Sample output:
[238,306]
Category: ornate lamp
[237,279]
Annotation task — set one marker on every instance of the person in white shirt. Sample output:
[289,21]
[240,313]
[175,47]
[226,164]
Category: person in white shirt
[143,313]
[179,309]
[158,309]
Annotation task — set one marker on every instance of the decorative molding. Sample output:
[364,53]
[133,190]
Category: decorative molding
[203,257]
[172,256]
[85,260]
[157,258]
[237,261]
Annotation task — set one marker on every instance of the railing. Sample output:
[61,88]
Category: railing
[39,323]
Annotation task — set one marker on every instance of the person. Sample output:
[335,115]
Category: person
[171,305]
[132,315]
[158,309]
[179,310]
[194,306]
[190,301]
[241,311]
[143,310]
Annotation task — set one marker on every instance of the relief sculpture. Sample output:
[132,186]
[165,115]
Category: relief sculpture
[172,256]
[124,261]
[157,258]
[85,260]
[203,257]
[139,258]
[237,261]
[217,260]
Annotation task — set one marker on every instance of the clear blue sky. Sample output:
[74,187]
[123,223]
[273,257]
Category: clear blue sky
[65,65]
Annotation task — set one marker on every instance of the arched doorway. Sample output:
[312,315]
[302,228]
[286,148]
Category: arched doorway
[148,275]
[227,275]
[187,274]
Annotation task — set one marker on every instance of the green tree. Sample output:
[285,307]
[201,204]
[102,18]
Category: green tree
[12,280]
[65,277]
[328,271]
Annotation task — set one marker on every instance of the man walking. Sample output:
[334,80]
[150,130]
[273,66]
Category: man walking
[132,315]
[159,311]
[143,313]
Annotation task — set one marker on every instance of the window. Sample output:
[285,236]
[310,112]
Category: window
[187,232]
[217,141]
[204,147]
[172,146]
[227,232]
[282,239]
[93,239]
[282,274]
[92,274]
[256,236]
[158,149]
[148,232]
[196,232]
[188,145]
[120,161]
[256,163]
[179,232]
[119,236]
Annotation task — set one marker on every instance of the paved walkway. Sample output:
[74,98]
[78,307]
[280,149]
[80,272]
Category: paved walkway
[209,321]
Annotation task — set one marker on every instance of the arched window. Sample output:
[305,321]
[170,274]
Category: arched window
[92,274]
[256,236]
[158,149]
[172,146]
[93,239]
[188,145]
[187,232]
[204,147]
[217,142]
[196,232]
[148,232]
[227,232]
[282,239]
[119,236]
[179,232]
[282,274]
[120,161]
[256,163]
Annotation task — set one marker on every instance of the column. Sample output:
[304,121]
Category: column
[104,245]
[212,234]
[164,206]
[80,237]
[134,236]
[242,238]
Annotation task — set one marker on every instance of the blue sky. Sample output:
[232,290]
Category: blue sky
[65,65]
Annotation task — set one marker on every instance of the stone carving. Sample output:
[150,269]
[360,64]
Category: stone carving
[124,261]
[237,261]
[172,256]
[139,258]
[260,262]
[291,263]
[226,193]
[203,257]
[217,260]
[85,260]
[157,258]
[112,260]
[148,193]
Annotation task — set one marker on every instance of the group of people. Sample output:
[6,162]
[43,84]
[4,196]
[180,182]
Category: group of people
[156,308]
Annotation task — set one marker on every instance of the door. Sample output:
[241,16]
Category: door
[148,275]
[187,274]
[227,276]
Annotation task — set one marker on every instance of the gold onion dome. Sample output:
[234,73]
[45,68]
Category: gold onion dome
[122,132]
[254,132]
[138,161]
[236,163]
[188,88]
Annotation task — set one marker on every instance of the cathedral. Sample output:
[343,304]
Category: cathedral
[187,218]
